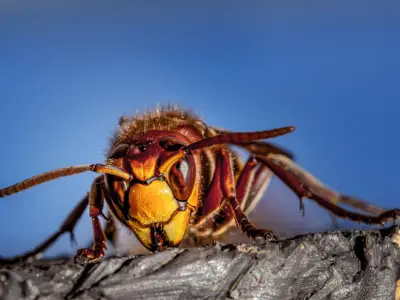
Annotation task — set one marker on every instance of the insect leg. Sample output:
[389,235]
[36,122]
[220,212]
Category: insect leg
[110,230]
[229,193]
[67,226]
[253,180]
[96,201]
[306,186]
[213,209]
[244,223]
[263,149]
[223,186]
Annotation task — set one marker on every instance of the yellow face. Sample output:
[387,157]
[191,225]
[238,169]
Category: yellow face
[159,222]
[155,205]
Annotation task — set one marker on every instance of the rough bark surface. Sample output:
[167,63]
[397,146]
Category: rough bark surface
[333,265]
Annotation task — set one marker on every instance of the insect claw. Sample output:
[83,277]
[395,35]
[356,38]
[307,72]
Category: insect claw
[262,236]
[72,239]
[302,206]
[87,256]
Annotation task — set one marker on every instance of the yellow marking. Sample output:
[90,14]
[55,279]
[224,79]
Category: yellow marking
[153,203]
[176,228]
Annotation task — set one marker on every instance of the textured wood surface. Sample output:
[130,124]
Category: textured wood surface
[334,265]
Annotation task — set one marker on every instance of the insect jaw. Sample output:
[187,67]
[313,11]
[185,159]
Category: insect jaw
[159,241]
[138,222]
[159,235]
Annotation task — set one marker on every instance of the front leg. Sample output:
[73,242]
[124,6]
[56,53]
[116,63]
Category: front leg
[223,186]
[229,193]
[96,201]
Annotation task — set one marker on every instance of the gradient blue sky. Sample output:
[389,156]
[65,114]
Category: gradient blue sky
[68,70]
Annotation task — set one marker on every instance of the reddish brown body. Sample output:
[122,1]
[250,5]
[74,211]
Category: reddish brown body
[167,172]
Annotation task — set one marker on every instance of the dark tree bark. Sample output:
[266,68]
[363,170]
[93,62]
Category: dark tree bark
[334,265]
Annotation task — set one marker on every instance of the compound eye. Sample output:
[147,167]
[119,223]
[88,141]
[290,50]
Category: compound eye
[183,167]
[181,178]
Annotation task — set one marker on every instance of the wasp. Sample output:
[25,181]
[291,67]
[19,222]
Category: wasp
[167,172]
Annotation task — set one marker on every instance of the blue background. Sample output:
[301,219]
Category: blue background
[68,70]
